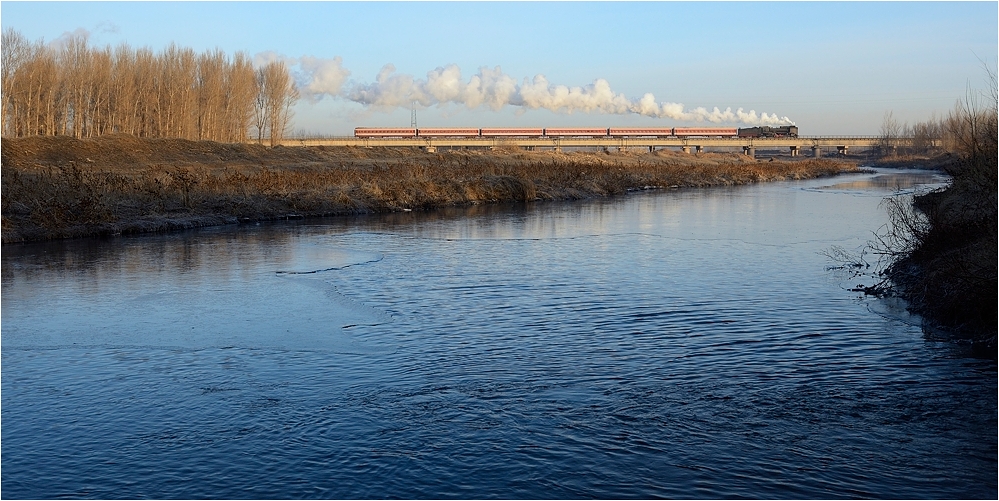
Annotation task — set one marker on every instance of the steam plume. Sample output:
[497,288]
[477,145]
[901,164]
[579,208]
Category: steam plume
[493,88]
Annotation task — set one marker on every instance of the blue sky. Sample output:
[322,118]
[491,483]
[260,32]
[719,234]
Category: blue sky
[832,68]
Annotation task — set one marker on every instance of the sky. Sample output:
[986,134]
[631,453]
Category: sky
[831,68]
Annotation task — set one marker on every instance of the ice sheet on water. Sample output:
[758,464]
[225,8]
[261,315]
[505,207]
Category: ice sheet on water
[257,309]
[316,257]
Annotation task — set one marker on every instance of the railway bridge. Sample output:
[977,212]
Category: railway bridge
[815,145]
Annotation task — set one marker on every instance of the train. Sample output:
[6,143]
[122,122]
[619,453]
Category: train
[765,131]
[499,132]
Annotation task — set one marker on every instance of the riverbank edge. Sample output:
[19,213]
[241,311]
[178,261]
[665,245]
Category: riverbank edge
[165,224]
[62,188]
[938,162]
[947,270]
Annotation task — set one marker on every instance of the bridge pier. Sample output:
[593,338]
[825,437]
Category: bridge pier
[816,152]
[698,149]
[685,149]
[795,150]
[749,151]
[430,149]
[842,150]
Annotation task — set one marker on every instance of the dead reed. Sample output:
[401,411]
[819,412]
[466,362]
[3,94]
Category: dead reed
[62,187]
[941,254]
[941,247]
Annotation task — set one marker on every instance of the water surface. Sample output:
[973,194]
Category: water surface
[677,344]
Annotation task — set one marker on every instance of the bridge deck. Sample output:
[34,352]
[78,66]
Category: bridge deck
[608,142]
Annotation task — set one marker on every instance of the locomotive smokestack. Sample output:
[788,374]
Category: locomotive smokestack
[494,89]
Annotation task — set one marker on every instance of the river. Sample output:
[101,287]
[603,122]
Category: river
[692,343]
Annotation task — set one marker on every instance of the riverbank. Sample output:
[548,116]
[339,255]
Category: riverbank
[937,161]
[60,187]
[945,253]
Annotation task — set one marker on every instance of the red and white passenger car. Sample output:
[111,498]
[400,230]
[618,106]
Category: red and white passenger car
[511,132]
[383,132]
[705,131]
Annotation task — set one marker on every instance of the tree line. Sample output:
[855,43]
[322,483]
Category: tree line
[969,130]
[72,89]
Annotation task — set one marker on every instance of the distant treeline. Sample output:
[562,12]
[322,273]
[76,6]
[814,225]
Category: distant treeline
[962,132]
[70,89]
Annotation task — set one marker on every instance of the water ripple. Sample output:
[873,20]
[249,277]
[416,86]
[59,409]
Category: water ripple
[688,344]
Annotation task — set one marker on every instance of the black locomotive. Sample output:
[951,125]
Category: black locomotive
[765,131]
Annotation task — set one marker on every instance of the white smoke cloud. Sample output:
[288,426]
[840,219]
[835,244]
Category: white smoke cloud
[321,77]
[494,89]
[315,77]
[264,58]
[389,90]
[68,37]
[108,27]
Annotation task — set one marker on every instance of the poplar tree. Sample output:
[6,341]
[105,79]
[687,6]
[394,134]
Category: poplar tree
[276,94]
[72,89]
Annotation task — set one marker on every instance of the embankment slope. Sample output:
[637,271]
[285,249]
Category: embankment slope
[61,187]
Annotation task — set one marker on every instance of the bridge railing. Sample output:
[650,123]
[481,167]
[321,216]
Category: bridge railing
[321,137]
[854,136]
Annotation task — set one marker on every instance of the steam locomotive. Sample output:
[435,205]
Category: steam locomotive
[783,131]
[681,132]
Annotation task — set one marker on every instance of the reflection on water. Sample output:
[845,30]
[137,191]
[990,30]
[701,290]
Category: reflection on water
[221,289]
[678,344]
[893,181]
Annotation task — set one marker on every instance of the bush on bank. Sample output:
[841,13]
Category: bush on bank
[944,254]
[943,248]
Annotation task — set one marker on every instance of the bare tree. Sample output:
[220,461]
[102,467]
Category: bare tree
[187,99]
[284,112]
[241,92]
[122,112]
[146,102]
[71,89]
[260,108]
[211,93]
[75,58]
[15,50]
[972,125]
[928,135]
[99,107]
[974,121]
[177,76]
[276,96]
[889,135]
[39,86]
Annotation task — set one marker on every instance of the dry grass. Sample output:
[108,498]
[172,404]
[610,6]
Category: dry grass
[62,187]
[942,249]
[943,252]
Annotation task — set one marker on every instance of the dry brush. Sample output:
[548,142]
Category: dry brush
[57,187]
[940,249]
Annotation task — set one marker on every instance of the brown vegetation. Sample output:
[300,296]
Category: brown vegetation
[942,246]
[58,187]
